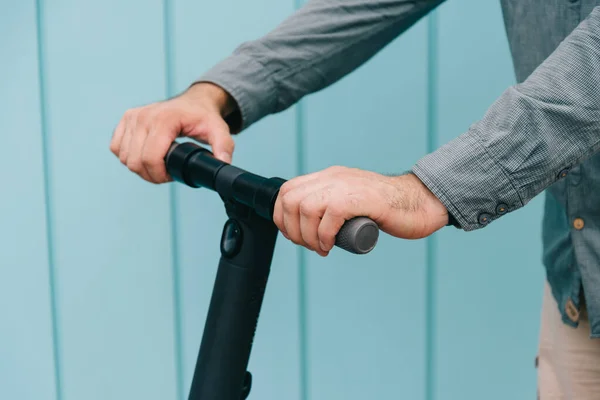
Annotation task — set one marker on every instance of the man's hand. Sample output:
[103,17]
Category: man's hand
[311,209]
[144,135]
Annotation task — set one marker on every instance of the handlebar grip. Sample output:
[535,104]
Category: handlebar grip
[358,235]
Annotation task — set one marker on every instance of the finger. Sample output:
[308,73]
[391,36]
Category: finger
[301,186]
[302,180]
[312,209]
[278,212]
[330,225]
[309,224]
[134,158]
[130,125]
[291,209]
[220,140]
[115,142]
[157,144]
[278,217]
[291,218]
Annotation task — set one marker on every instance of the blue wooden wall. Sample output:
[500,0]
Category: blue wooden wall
[105,280]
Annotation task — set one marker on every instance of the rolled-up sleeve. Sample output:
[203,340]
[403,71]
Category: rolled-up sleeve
[535,130]
[313,48]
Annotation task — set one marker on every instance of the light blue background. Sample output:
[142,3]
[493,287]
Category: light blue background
[105,279]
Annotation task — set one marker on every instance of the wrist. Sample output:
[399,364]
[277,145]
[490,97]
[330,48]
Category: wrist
[425,201]
[212,96]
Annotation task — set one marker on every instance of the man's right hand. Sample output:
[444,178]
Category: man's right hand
[144,135]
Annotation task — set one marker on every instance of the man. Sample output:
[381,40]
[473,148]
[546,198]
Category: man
[542,133]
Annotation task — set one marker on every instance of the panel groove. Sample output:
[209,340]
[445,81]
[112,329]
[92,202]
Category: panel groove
[48,200]
[302,289]
[302,312]
[177,324]
[430,259]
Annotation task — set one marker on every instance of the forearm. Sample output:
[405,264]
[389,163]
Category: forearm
[315,47]
[533,131]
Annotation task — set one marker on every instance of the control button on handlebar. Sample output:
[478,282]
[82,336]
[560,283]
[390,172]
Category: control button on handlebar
[231,240]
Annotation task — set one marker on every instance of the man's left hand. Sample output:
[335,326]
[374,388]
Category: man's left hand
[311,209]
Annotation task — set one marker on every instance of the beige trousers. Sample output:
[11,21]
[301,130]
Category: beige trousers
[568,360]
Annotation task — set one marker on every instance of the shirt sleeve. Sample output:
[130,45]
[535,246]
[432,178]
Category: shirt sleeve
[313,48]
[533,133]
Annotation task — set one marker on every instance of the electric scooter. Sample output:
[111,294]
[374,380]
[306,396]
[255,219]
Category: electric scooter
[247,245]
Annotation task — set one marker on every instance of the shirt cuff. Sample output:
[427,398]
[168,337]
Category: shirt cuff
[468,181]
[249,83]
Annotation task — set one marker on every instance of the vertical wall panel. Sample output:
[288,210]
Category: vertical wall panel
[26,356]
[267,148]
[111,232]
[489,282]
[366,314]
[111,229]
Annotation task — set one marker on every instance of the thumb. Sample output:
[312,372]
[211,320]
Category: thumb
[222,142]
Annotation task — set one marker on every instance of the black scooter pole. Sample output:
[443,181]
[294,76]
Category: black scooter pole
[247,246]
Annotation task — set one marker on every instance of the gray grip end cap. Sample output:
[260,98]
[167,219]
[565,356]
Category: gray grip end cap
[358,235]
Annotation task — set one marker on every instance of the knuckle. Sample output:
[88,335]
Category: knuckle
[146,114]
[134,114]
[161,113]
[325,194]
[337,208]
[113,148]
[135,166]
[150,160]
[307,208]
[231,144]
[353,201]
[284,189]
[129,114]
[143,117]
[288,203]
[309,243]
[336,169]
[326,235]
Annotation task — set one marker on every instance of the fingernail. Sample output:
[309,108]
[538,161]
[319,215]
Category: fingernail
[322,246]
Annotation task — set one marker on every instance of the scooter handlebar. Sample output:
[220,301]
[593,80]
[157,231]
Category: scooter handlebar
[195,166]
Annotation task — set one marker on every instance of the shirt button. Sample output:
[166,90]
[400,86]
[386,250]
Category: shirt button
[501,209]
[484,218]
[563,173]
[572,311]
[578,224]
